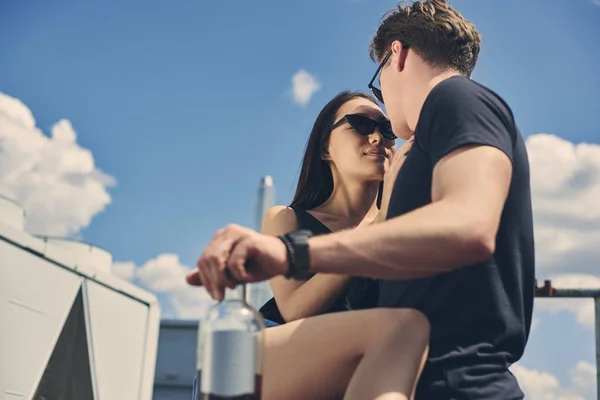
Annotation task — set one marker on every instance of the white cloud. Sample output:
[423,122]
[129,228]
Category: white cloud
[583,376]
[304,85]
[53,178]
[565,184]
[58,184]
[540,385]
[165,275]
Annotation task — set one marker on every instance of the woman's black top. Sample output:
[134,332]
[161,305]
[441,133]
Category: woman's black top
[359,294]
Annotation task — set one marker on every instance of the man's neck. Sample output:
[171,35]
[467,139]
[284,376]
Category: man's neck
[439,78]
[427,82]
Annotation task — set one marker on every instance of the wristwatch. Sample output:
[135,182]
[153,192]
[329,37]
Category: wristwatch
[296,244]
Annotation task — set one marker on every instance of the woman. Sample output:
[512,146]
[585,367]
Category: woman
[367,354]
[336,190]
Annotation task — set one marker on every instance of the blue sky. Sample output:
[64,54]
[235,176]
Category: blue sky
[187,104]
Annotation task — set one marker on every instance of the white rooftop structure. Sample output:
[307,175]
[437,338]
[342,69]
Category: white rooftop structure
[176,360]
[69,328]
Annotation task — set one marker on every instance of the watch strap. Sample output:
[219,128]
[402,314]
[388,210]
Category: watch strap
[296,244]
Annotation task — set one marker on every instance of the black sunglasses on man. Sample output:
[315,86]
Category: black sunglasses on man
[376,91]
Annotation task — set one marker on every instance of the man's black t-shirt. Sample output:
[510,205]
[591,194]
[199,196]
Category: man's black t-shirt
[480,314]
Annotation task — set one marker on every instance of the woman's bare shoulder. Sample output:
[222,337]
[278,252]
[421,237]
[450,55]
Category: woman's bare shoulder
[279,220]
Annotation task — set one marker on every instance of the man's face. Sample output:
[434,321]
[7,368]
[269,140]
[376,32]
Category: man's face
[387,85]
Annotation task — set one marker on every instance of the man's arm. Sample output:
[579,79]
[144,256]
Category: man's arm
[458,228]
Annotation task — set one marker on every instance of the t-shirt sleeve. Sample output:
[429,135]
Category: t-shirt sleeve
[462,113]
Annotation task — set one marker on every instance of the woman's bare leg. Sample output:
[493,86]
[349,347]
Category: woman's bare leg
[390,368]
[316,358]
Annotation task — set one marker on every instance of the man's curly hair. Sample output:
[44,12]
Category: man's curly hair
[438,33]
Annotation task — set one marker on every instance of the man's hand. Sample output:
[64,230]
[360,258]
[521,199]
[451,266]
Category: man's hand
[390,176]
[235,255]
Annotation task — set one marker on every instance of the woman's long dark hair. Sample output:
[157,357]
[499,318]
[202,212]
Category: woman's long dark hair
[315,183]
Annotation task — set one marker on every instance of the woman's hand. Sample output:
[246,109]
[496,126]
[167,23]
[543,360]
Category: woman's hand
[390,177]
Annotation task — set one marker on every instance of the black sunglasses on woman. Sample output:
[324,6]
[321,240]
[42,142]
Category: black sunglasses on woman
[366,126]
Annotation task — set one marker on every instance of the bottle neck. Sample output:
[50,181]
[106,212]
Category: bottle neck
[239,293]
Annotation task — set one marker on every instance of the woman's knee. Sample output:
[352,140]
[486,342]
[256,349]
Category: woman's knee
[405,321]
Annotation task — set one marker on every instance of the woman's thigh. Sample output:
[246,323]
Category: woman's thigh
[315,358]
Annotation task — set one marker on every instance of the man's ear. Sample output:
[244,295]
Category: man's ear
[400,53]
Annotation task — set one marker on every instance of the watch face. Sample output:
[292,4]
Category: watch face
[298,254]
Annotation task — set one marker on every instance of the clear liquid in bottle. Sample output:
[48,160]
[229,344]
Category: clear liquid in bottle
[230,345]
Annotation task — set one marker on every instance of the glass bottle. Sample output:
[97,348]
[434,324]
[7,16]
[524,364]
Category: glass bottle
[229,355]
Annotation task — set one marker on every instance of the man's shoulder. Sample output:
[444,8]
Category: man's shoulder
[461,92]
[460,106]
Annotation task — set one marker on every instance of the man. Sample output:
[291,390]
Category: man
[457,244]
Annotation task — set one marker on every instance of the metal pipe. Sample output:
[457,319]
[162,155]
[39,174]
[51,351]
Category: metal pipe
[548,291]
[574,293]
[597,304]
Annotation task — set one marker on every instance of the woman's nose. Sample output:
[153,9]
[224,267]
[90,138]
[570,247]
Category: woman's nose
[375,137]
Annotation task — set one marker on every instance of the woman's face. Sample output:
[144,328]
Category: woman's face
[364,157]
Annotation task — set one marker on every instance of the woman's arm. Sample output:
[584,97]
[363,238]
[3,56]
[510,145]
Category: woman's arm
[300,298]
